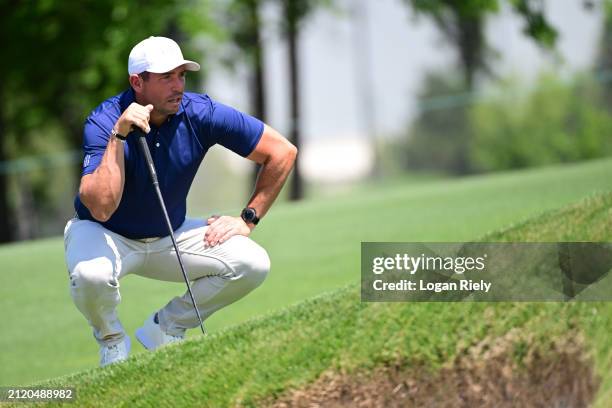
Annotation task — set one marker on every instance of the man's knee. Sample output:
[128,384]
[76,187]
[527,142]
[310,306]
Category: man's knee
[251,260]
[92,276]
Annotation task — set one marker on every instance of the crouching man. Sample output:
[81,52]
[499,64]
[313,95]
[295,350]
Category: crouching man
[119,228]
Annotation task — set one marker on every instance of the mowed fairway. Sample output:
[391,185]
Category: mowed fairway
[314,246]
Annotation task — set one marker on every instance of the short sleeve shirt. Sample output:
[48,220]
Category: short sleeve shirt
[177,148]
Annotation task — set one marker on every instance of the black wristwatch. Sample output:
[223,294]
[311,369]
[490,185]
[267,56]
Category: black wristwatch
[249,215]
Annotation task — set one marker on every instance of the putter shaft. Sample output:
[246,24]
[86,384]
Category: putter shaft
[144,147]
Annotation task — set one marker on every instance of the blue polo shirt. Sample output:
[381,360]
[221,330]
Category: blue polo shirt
[177,147]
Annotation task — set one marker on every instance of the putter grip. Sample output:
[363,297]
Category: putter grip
[144,147]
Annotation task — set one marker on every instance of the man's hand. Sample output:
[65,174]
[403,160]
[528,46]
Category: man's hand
[134,116]
[222,228]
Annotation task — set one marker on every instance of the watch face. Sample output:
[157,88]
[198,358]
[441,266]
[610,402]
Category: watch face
[248,214]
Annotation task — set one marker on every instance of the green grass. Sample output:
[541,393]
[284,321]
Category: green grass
[314,247]
[265,357]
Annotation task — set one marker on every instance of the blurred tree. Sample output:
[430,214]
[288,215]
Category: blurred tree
[243,24]
[604,59]
[557,122]
[440,135]
[5,211]
[295,13]
[244,27]
[364,80]
[462,24]
[60,59]
[536,24]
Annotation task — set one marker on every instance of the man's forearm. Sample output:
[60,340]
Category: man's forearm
[101,191]
[277,157]
[271,179]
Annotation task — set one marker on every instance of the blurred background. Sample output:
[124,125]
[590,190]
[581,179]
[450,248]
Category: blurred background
[392,103]
[370,91]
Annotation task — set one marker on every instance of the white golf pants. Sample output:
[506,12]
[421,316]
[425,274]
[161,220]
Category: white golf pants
[98,258]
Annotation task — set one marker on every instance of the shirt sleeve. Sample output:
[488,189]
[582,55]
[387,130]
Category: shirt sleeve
[95,140]
[235,130]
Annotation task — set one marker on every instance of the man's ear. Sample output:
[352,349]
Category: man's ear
[136,82]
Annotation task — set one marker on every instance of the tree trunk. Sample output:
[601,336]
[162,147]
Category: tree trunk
[604,59]
[6,234]
[364,84]
[471,48]
[25,210]
[470,43]
[258,94]
[296,191]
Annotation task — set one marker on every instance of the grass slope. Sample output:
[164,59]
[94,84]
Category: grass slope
[267,356]
[314,246]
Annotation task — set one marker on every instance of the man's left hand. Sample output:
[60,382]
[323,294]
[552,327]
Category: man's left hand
[222,228]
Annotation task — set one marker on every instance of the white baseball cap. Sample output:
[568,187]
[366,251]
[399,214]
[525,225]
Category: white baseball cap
[158,55]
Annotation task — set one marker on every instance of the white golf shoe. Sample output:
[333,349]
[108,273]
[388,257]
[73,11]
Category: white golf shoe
[115,353]
[151,336]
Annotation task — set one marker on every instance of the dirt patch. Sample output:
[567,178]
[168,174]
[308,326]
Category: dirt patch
[503,372]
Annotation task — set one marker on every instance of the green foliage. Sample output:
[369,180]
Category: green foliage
[468,8]
[555,122]
[441,139]
[462,23]
[439,136]
[604,57]
[66,57]
[536,25]
[532,12]
[60,59]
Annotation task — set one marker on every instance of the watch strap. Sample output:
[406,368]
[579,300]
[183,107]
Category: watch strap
[118,135]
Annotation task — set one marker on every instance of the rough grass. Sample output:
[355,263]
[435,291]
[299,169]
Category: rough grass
[264,358]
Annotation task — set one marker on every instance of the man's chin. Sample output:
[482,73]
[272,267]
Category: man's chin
[170,109]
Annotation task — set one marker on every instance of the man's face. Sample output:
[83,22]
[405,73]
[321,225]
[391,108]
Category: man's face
[164,91]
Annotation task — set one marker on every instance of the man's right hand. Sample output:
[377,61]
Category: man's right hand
[134,116]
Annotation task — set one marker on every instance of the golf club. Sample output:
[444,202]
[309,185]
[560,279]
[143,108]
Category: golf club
[142,140]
